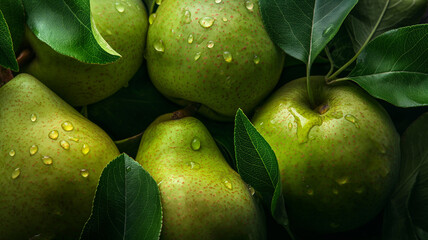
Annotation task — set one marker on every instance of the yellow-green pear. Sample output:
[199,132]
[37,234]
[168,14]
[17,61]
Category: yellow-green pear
[338,160]
[123,25]
[51,158]
[216,53]
[202,196]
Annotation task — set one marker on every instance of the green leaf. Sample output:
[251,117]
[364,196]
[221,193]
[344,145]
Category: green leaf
[127,204]
[13,12]
[302,28]
[406,213]
[257,164]
[151,5]
[67,27]
[7,55]
[364,18]
[393,67]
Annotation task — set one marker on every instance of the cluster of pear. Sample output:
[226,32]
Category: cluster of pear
[338,161]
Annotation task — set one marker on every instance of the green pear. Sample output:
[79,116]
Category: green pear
[51,158]
[216,53]
[123,26]
[338,161]
[202,196]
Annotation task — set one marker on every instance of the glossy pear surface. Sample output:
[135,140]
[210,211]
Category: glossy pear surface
[216,54]
[202,196]
[51,158]
[338,162]
[124,27]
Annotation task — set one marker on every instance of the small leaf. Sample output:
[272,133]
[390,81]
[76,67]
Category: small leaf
[393,67]
[7,55]
[257,164]
[67,27]
[302,28]
[13,12]
[127,204]
[407,210]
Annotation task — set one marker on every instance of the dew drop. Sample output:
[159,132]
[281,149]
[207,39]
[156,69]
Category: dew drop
[54,134]
[227,184]
[210,44]
[206,22]
[217,1]
[251,190]
[187,17]
[47,160]
[108,31]
[67,126]
[159,46]
[85,149]
[16,173]
[342,180]
[196,144]
[33,117]
[227,56]
[256,59]
[224,19]
[73,139]
[119,7]
[64,144]
[194,165]
[249,5]
[12,153]
[190,39]
[352,119]
[33,150]
[310,191]
[197,56]
[84,173]
[152,18]
[328,30]
[128,169]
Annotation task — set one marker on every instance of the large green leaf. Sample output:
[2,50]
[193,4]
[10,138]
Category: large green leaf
[379,16]
[257,164]
[67,27]
[7,55]
[407,213]
[13,12]
[393,67]
[127,204]
[302,28]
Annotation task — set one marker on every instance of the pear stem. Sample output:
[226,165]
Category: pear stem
[188,111]
[25,56]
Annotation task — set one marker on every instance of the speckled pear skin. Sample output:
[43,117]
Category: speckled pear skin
[338,168]
[80,83]
[220,86]
[202,196]
[51,201]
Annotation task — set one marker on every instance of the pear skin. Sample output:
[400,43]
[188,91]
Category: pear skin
[123,27]
[202,196]
[338,161]
[215,54]
[51,158]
